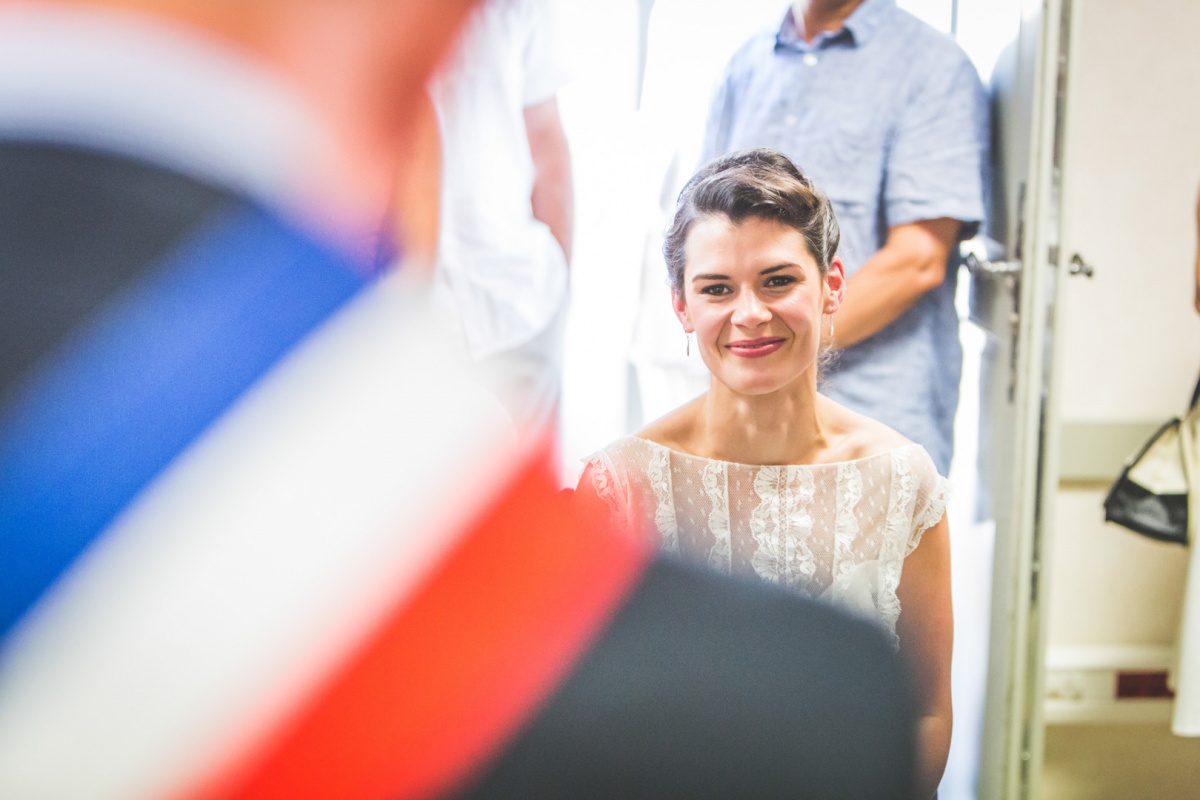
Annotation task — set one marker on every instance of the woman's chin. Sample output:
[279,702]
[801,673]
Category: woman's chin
[756,387]
[760,384]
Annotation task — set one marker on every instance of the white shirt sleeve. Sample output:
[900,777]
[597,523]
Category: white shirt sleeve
[544,71]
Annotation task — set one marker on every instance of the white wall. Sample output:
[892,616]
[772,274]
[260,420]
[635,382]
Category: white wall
[1131,337]
[1130,352]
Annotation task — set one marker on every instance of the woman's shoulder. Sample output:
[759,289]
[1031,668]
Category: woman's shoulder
[635,458]
[856,436]
[620,452]
[626,457]
[674,429]
[866,438]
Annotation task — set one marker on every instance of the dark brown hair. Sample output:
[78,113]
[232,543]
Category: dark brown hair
[758,183]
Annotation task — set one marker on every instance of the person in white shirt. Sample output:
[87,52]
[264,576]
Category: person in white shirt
[506,206]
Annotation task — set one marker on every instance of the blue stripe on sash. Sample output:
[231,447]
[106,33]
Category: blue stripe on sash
[143,380]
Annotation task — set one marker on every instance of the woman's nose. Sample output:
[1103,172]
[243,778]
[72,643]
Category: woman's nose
[750,311]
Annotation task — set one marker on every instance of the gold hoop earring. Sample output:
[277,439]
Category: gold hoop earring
[831,329]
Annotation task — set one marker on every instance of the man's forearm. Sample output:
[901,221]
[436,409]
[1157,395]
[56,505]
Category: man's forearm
[552,199]
[910,264]
[553,203]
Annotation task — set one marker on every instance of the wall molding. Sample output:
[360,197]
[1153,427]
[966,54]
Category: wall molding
[1095,451]
[1080,686]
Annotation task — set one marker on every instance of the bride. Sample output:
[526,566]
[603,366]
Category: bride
[764,476]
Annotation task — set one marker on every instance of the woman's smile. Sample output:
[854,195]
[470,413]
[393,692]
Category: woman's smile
[755,348]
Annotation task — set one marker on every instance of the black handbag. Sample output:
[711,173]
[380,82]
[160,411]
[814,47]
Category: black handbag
[1150,496]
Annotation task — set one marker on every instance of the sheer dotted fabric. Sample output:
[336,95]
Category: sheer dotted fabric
[838,532]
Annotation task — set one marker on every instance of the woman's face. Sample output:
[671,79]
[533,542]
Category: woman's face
[754,297]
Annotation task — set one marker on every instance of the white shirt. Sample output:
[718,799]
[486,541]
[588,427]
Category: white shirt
[500,269]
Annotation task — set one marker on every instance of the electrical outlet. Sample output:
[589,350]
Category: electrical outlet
[1064,686]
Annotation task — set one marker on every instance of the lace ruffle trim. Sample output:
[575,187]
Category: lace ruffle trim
[604,485]
[898,516]
[846,530]
[719,557]
[932,512]
[781,526]
[658,470]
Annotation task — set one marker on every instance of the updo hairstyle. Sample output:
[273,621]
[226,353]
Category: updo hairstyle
[759,183]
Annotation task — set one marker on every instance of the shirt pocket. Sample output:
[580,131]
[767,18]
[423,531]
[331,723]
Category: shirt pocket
[857,149]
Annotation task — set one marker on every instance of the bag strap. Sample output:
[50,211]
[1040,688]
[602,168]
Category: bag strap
[1195,394]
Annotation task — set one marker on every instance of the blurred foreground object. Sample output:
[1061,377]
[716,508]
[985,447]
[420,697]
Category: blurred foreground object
[262,534]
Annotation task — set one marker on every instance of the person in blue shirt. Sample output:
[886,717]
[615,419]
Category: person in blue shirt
[889,117]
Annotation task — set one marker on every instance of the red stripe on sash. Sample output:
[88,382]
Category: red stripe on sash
[433,695]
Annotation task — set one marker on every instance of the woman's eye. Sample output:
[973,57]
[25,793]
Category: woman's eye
[776,281]
[715,289]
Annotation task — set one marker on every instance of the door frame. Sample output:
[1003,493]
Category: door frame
[1012,742]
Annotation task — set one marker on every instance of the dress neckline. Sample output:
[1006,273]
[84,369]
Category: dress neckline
[860,460]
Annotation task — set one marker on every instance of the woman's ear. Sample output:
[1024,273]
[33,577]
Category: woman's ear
[835,286]
[681,312]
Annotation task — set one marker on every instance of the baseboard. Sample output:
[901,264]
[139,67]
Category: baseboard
[1081,685]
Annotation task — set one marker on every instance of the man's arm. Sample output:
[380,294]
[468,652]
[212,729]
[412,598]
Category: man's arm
[934,179]
[911,262]
[552,199]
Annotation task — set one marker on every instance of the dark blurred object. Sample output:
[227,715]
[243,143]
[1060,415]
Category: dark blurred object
[1150,496]
[829,724]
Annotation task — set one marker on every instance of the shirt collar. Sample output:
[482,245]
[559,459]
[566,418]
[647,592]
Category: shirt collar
[859,27]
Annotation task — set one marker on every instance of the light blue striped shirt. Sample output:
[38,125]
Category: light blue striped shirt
[889,117]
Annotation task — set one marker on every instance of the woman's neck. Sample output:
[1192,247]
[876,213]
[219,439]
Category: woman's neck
[783,427]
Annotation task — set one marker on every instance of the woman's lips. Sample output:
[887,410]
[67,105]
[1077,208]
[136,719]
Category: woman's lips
[754,348]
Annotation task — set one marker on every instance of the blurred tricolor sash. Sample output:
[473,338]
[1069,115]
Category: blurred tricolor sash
[259,537]
[140,383]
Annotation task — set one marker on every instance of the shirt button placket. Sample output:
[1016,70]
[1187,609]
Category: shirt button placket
[790,118]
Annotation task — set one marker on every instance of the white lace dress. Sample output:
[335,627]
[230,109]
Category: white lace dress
[838,532]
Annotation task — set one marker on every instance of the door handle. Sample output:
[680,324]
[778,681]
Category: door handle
[980,266]
[1080,267]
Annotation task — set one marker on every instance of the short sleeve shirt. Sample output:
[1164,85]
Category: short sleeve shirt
[888,116]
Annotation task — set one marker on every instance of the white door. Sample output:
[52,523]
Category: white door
[1099,137]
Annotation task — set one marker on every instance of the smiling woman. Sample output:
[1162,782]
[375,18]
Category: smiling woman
[764,476]
[751,258]
[754,291]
